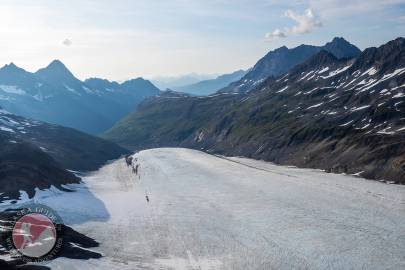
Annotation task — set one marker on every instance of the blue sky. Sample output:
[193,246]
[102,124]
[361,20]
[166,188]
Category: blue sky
[122,39]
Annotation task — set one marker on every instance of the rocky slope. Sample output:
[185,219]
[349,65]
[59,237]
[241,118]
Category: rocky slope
[72,149]
[24,166]
[34,154]
[341,115]
[50,94]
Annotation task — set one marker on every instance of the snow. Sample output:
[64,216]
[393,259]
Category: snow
[336,72]
[306,75]
[208,212]
[2,111]
[12,89]
[323,70]
[346,124]
[360,108]
[386,132]
[311,91]
[315,106]
[71,90]
[87,90]
[6,129]
[395,88]
[282,90]
[394,73]
[371,71]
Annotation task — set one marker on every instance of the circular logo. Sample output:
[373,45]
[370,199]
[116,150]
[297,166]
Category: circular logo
[35,234]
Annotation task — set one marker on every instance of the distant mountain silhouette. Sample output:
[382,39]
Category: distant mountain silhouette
[53,94]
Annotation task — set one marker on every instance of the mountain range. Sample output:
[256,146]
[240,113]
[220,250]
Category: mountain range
[340,110]
[53,94]
[172,82]
[207,87]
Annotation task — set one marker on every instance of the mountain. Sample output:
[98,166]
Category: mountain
[208,87]
[72,149]
[35,154]
[340,115]
[50,94]
[279,61]
[24,166]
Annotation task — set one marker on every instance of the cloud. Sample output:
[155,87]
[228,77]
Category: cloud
[67,42]
[276,34]
[305,23]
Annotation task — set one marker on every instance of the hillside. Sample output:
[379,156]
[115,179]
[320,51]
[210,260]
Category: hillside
[36,155]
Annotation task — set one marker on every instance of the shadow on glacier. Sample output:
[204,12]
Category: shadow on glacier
[76,205]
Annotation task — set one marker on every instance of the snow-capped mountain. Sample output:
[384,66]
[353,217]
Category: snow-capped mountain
[53,94]
[281,60]
[35,154]
[341,115]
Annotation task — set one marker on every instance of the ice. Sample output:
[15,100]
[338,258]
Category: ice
[207,212]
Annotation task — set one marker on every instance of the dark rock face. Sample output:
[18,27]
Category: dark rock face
[24,166]
[341,115]
[279,61]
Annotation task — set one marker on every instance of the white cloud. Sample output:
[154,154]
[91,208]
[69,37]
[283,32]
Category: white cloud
[306,23]
[67,42]
[276,34]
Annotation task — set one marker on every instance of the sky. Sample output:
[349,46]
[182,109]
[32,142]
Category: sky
[123,39]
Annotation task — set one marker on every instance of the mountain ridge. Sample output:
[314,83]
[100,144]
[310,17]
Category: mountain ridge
[280,60]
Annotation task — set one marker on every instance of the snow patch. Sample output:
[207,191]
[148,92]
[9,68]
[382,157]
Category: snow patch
[12,89]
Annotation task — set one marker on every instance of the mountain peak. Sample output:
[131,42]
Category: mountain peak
[55,69]
[11,67]
[57,65]
[339,39]
[341,48]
